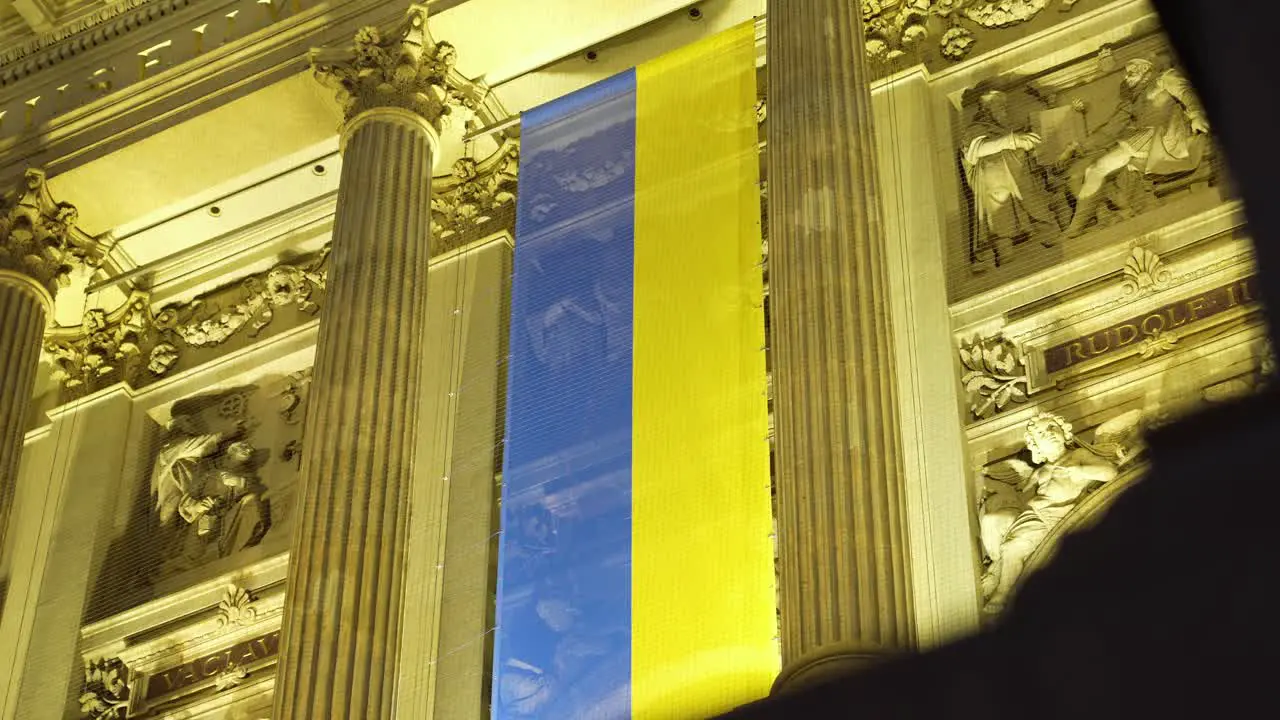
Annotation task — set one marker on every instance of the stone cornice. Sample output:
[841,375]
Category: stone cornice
[80,34]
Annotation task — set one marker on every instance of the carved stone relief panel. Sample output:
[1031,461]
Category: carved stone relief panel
[1092,152]
[218,492]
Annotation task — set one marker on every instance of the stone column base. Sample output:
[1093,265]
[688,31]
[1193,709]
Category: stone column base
[825,664]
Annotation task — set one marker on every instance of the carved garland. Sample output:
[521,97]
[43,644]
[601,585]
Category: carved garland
[895,27]
[124,343]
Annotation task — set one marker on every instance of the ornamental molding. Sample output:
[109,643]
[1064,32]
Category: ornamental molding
[138,343]
[74,38]
[895,28]
[404,68]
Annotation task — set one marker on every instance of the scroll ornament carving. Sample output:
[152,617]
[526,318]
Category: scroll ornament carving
[199,326]
[406,70]
[38,236]
[995,374]
[479,192]
[108,344]
[105,694]
[895,27]
[236,608]
[293,396]
[230,678]
[1022,503]
[1145,273]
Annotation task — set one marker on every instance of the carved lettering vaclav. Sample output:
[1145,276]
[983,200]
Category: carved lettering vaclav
[240,656]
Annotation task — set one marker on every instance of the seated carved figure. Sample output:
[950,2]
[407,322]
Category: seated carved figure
[1065,469]
[206,480]
[1158,130]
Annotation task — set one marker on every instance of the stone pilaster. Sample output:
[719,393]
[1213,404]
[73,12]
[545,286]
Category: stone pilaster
[38,250]
[842,531]
[346,591]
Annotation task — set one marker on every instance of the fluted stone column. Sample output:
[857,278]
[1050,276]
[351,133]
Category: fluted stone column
[24,309]
[845,596]
[38,251]
[345,593]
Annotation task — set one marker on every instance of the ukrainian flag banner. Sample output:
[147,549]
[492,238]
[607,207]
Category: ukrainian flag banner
[636,562]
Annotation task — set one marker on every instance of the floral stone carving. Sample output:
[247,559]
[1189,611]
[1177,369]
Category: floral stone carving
[1144,273]
[38,237]
[105,695]
[995,374]
[107,346]
[407,70]
[479,190]
[1022,503]
[237,607]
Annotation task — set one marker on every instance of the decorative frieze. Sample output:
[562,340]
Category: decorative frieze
[137,344]
[201,323]
[897,27]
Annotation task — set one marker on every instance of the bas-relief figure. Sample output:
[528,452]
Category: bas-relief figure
[1022,503]
[1035,170]
[1011,200]
[206,488]
[1158,130]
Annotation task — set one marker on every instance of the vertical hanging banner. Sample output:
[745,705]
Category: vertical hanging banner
[636,574]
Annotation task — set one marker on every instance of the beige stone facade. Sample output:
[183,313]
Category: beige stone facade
[1045,258]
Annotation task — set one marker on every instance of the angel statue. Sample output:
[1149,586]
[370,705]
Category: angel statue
[1023,502]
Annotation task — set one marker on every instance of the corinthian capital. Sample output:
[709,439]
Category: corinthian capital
[38,237]
[406,70]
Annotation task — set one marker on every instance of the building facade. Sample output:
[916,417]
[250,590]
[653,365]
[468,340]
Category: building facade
[1000,245]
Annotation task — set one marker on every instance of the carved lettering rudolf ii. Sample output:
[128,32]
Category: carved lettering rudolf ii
[1043,173]
[1151,326]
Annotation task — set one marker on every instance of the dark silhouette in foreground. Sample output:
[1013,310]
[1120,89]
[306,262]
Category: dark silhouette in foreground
[1166,608]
